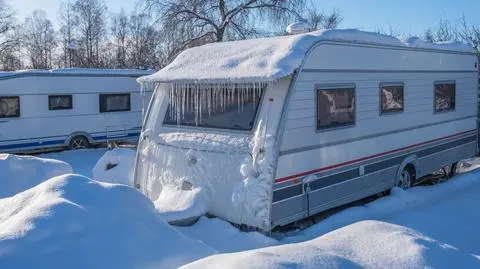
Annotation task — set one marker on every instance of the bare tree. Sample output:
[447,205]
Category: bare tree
[142,42]
[6,25]
[188,23]
[91,21]
[67,33]
[459,30]
[319,19]
[119,30]
[38,38]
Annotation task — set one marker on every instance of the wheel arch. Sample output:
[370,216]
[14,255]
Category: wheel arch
[409,160]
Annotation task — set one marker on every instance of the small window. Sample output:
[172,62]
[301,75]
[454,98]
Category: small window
[391,98]
[9,106]
[444,97]
[335,107]
[59,102]
[114,102]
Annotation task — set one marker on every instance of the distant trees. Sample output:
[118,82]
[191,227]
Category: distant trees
[458,30]
[38,38]
[189,23]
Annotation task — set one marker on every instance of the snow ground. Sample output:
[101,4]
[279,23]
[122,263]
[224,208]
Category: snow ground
[434,226]
[82,161]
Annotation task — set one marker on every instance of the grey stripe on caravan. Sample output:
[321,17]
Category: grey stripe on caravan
[330,180]
[298,150]
[311,70]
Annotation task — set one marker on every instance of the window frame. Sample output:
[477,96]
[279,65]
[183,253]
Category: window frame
[106,95]
[70,96]
[340,86]
[444,82]
[391,84]
[211,128]
[19,106]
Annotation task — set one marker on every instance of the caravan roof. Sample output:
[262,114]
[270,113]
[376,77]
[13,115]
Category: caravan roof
[75,72]
[269,59]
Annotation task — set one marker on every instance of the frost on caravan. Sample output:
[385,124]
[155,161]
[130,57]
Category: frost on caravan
[268,131]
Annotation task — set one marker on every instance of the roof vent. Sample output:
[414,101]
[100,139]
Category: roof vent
[298,28]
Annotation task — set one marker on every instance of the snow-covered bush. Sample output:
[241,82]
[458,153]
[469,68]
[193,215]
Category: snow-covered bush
[18,173]
[71,221]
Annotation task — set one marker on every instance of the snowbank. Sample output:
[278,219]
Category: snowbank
[71,221]
[365,244]
[18,173]
[115,166]
[269,59]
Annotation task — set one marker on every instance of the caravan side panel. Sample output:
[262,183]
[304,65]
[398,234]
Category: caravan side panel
[349,163]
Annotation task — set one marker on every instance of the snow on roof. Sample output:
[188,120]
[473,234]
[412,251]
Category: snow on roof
[269,59]
[76,72]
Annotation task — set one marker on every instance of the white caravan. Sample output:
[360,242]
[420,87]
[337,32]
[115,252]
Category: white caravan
[72,108]
[268,131]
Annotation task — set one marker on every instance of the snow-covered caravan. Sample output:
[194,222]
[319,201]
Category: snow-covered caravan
[69,108]
[268,131]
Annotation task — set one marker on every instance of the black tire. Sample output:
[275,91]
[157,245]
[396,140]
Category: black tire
[406,178]
[78,142]
[453,170]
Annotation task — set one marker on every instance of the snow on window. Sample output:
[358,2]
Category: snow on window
[391,98]
[9,106]
[114,102]
[444,97]
[227,107]
[335,107]
[59,102]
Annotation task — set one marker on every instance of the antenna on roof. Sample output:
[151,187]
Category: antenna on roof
[298,28]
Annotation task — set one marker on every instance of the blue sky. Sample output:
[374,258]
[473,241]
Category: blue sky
[404,16]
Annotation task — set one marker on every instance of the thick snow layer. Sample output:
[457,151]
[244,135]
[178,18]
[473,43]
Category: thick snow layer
[115,166]
[425,227]
[365,244]
[18,173]
[71,221]
[268,59]
[77,71]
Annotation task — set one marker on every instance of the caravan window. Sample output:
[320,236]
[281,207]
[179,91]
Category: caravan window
[222,108]
[58,102]
[444,97]
[335,107]
[391,98]
[9,106]
[114,102]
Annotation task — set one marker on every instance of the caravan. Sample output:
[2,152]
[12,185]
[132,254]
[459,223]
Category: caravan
[268,131]
[74,108]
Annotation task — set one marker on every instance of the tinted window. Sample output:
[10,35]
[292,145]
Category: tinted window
[9,106]
[57,102]
[335,107]
[444,97]
[229,108]
[114,102]
[391,98]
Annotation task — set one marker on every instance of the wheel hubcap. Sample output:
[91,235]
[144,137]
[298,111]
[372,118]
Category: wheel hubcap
[405,180]
[78,143]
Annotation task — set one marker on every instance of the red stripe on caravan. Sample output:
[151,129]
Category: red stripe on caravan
[283,179]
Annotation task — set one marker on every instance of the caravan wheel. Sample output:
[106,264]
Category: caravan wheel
[78,142]
[406,178]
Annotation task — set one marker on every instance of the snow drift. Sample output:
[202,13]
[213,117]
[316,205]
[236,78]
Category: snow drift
[115,166]
[18,173]
[71,221]
[365,244]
